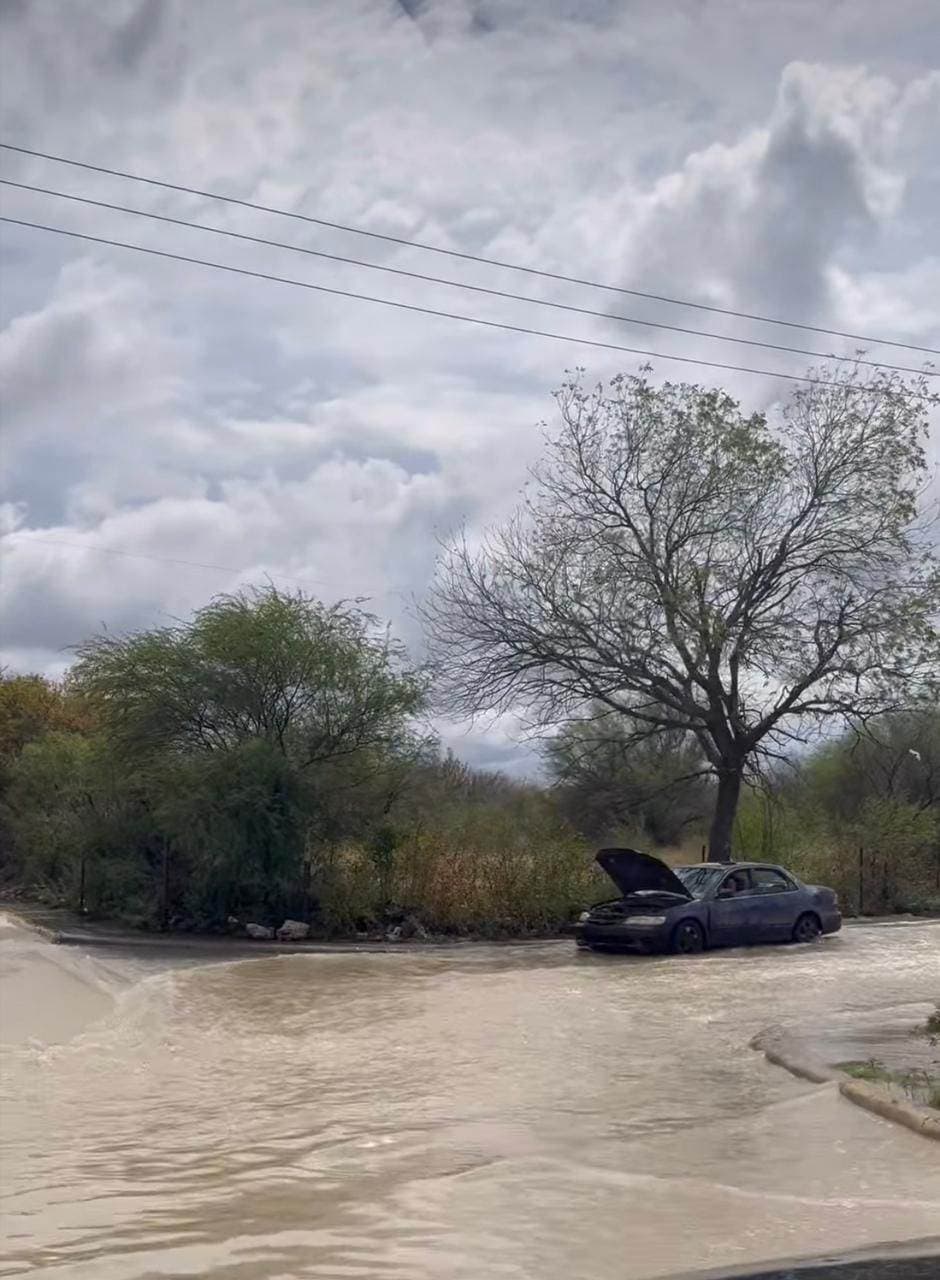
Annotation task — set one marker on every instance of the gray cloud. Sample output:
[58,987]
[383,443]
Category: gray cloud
[764,222]
[812,196]
[134,37]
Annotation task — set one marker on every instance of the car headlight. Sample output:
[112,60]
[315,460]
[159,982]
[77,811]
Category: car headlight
[585,915]
[646,920]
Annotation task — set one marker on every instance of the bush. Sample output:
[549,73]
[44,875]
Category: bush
[235,822]
[77,820]
[486,874]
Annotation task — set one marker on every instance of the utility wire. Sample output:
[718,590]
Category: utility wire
[29,540]
[427,311]
[455,284]
[455,253]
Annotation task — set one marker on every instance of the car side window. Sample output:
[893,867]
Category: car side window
[768,880]
[735,885]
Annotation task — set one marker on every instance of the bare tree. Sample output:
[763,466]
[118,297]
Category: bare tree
[691,567]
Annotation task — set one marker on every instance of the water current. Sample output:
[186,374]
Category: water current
[527,1113]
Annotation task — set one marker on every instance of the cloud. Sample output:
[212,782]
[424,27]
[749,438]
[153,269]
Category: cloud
[92,336]
[133,38]
[763,223]
[342,529]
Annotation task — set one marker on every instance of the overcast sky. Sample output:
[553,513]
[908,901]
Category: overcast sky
[779,157]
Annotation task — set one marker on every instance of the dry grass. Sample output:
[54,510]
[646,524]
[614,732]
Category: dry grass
[457,884]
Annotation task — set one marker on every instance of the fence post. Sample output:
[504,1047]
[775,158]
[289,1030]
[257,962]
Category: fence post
[165,904]
[306,889]
[704,853]
[861,879]
[81,886]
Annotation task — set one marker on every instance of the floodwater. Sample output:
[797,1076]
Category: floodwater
[523,1113]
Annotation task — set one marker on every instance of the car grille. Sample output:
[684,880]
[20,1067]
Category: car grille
[608,915]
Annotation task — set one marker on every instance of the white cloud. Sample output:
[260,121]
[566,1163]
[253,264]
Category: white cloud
[94,334]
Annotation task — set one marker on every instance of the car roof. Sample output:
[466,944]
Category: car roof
[774,866]
[732,866]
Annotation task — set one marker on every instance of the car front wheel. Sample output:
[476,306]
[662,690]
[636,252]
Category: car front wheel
[807,928]
[688,937]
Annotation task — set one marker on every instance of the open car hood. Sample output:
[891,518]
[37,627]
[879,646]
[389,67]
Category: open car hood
[632,871]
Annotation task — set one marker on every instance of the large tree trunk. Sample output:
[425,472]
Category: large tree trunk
[726,806]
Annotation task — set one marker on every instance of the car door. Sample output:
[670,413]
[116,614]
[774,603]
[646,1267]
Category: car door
[775,904]
[729,913]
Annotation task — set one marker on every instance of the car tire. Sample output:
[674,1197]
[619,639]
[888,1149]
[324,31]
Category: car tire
[688,938]
[807,928]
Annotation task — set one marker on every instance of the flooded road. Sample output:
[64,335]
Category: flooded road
[528,1113]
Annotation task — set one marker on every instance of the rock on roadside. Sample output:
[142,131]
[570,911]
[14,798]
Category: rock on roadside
[410,930]
[260,932]
[293,931]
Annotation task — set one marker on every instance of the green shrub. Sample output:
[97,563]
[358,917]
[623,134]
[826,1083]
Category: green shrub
[872,1070]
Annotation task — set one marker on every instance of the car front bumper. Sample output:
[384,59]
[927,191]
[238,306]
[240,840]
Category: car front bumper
[625,936]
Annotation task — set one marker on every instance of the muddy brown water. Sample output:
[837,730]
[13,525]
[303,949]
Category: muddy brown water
[527,1114]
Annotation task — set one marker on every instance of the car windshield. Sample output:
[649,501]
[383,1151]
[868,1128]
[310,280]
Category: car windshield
[698,879]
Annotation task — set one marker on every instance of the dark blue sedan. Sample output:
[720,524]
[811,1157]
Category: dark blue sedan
[710,904]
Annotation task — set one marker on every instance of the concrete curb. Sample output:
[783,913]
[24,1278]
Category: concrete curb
[883,1102]
[780,1049]
[230,947]
[30,926]
[237,947]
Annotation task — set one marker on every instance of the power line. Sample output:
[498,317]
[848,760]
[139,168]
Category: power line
[456,253]
[29,539]
[455,284]
[426,311]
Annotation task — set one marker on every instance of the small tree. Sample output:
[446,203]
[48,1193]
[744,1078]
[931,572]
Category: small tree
[32,706]
[691,567]
[896,759]
[70,806]
[318,683]
[268,724]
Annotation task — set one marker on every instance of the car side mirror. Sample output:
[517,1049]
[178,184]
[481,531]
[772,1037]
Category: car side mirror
[725,893]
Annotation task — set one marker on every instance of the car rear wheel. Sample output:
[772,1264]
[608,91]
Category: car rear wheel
[807,928]
[688,937]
